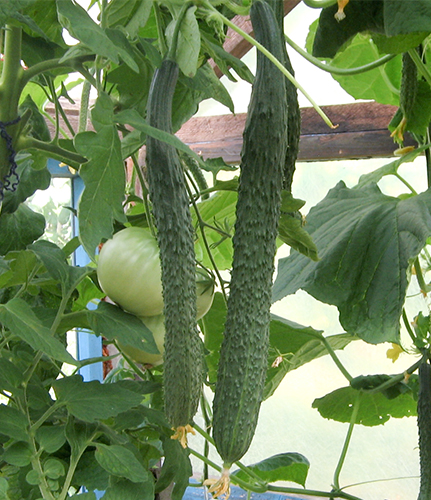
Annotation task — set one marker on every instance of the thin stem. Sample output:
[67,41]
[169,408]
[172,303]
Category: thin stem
[408,326]
[347,441]
[338,71]
[206,244]
[406,183]
[278,64]
[397,378]
[420,277]
[335,358]
[428,157]
[56,152]
[313,493]
[52,409]
[144,194]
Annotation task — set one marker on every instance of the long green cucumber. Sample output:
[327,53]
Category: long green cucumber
[183,356]
[424,427]
[294,129]
[243,355]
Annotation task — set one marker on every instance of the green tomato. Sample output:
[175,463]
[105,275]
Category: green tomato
[157,326]
[129,272]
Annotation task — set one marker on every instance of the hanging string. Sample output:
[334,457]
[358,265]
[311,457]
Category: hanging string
[11,180]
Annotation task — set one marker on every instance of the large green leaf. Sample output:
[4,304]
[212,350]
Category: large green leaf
[374,408]
[20,319]
[90,401]
[120,461]
[282,467]
[113,323]
[127,490]
[103,175]
[366,242]
[13,423]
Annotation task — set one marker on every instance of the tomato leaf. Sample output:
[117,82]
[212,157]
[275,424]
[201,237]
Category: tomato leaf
[282,467]
[113,323]
[20,319]
[91,401]
[103,175]
[366,242]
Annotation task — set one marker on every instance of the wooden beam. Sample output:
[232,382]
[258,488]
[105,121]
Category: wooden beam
[361,133]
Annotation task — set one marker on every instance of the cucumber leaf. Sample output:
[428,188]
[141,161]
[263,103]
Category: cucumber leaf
[366,243]
[282,467]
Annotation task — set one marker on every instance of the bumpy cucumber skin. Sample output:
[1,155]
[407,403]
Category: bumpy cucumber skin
[243,356]
[294,128]
[183,357]
[424,427]
[409,85]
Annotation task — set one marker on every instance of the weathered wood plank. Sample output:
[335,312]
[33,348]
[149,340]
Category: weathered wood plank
[361,133]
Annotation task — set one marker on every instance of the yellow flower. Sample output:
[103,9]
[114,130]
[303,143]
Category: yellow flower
[340,15]
[181,434]
[394,352]
[220,486]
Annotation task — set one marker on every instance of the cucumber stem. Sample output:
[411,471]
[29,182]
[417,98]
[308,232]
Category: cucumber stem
[278,64]
[339,71]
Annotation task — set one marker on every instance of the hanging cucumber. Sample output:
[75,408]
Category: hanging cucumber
[183,357]
[424,427]
[294,129]
[243,355]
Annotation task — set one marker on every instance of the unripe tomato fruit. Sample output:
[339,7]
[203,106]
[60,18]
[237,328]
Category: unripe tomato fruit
[157,326]
[129,273]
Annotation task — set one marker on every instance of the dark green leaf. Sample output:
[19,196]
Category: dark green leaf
[209,85]
[13,423]
[51,437]
[30,179]
[90,474]
[176,468]
[407,17]
[368,382]
[44,15]
[366,241]
[398,44]
[114,323]
[90,401]
[54,259]
[103,175]
[126,490]
[125,49]
[20,319]
[120,461]
[283,467]
[20,228]
[10,376]
[18,453]
[38,127]
[374,409]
